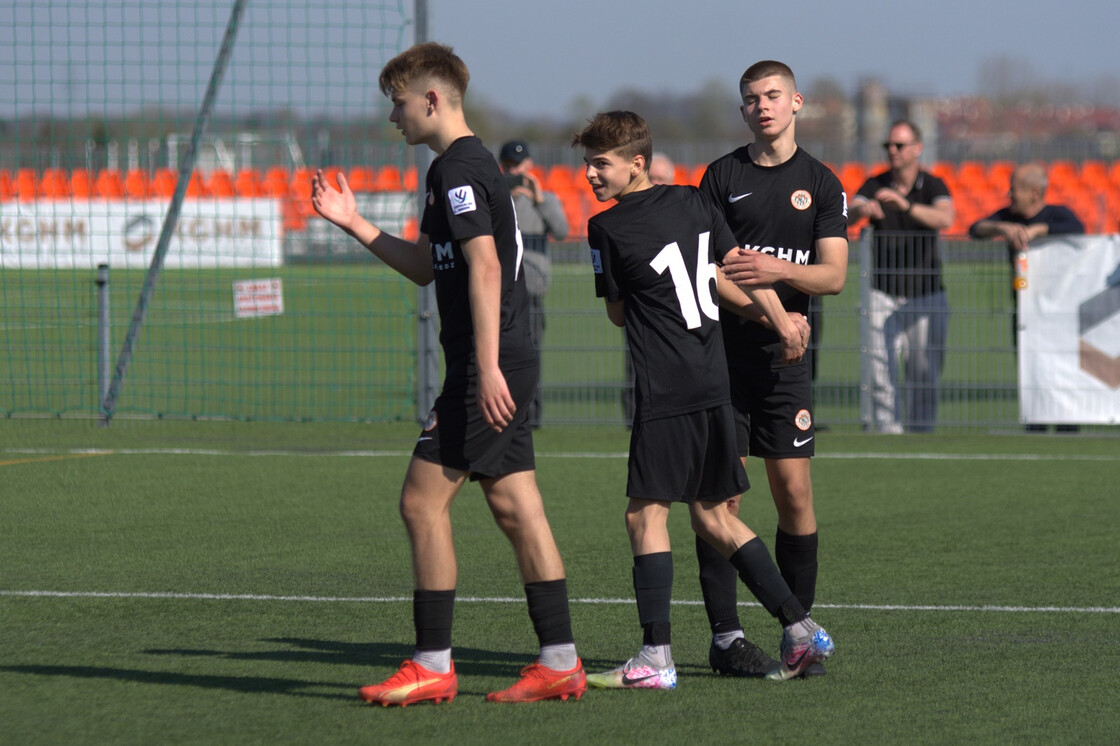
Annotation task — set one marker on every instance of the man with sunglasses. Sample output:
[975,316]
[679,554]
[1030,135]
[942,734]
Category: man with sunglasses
[909,308]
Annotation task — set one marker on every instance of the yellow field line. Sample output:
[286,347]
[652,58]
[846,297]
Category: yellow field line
[41,459]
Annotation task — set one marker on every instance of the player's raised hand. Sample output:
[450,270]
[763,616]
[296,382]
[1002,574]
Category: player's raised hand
[336,205]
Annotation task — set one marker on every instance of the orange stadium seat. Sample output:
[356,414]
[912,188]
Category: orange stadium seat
[163,183]
[247,183]
[276,183]
[411,179]
[54,184]
[220,184]
[109,184]
[136,184]
[360,178]
[300,186]
[7,185]
[388,179]
[81,183]
[196,187]
[27,184]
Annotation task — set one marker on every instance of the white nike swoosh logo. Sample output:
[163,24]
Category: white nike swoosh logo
[798,442]
[426,437]
[731,198]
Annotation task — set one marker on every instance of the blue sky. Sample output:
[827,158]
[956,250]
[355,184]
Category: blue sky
[529,57]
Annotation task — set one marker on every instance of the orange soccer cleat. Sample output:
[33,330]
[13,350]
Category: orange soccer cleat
[537,683]
[413,683]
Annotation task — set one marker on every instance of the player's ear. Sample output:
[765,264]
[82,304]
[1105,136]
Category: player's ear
[798,100]
[637,165]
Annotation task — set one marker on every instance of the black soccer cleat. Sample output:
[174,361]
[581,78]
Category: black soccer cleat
[742,658]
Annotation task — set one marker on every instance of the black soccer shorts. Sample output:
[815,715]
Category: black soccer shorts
[686,457]
[774,410]
[455,434]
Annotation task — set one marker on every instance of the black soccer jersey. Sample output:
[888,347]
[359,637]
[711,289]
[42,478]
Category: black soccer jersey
[467,197]
[907,256]
[780,210]
[654,250]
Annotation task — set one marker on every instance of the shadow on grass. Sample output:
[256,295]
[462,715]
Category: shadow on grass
[244,684]
[470,661]
[475,661]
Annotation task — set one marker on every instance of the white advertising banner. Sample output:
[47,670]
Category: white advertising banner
[124,234]
[1069,332]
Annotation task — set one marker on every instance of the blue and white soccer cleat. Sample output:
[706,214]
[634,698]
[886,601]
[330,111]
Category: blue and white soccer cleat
[799,653]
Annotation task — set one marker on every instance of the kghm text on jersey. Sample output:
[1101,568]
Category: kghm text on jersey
[797,256]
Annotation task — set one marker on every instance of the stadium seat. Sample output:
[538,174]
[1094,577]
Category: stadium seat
[137,185]
[247,183]
[411,179]
[196,187]
[109,184]
[81,183]
[389,179]
[27,184]
[220,184]
[54,184]
[360,178]
[276,183]
[300,186]
[7,185]
[164,182]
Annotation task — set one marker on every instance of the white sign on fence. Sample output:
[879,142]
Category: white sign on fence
[258,298]
[1069,332]
[49,234]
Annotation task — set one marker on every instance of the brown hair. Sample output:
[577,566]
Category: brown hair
[428,61]
[766,69]
[623,131]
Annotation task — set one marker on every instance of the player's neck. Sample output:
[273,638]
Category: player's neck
[772,152]
[450,132]
[640,183]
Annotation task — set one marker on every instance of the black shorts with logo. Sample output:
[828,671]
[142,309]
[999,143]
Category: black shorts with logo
[774,410]
[686,457]
[455,434]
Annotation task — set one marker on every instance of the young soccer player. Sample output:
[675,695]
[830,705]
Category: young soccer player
[788,213]
[478,428]
[652,254]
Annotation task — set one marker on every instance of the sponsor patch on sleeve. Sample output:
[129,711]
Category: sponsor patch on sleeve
[597,261]
[462,200]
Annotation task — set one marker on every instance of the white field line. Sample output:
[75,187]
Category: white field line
[558,455]
[511,600]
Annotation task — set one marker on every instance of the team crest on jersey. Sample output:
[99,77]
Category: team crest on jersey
[803,420]
[431,422]
[431,198]
[801,199]
[462,200]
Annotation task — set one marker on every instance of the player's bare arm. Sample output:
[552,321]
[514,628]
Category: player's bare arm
[763,302]
[747,268]
[485,290]
[413,260]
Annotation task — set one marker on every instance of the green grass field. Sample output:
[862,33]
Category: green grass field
[345,348]
[217,582]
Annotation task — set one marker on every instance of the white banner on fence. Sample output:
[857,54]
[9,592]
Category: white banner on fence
[122,234]
[1069,332]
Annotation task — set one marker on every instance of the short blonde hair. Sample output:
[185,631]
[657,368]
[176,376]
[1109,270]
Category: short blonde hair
[428,61]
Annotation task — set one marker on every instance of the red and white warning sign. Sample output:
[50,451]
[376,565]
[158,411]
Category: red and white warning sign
[258,298]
